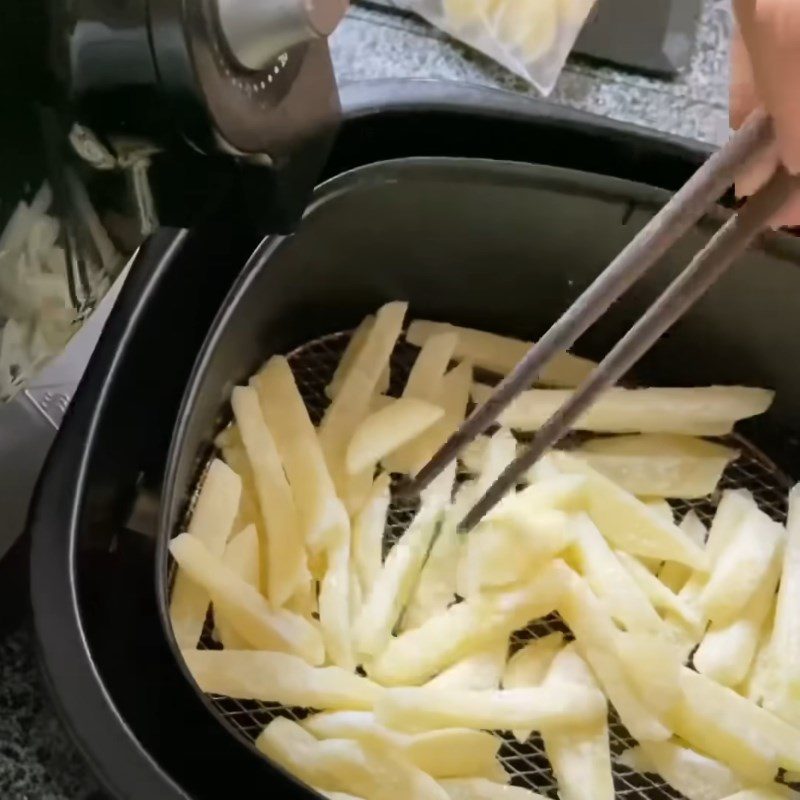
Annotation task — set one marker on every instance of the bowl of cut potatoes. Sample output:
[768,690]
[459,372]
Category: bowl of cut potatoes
[625,623]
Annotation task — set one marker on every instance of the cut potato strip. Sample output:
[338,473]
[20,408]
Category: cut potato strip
[626,601]
[630,525]
[448,753]
[211,523]
[417,655]
[392,589]
[483,789]
[361,768]
[385,431]
[561,492]
[653,665]
[708,411]
[785,695]
[352,402]
[241,557]
[500,354]
[336,795]
[730,728]
[368,531]
[742,566]
[319,508]
[660,506]
[425,380]
[235,457]
[673,575]
[335,605]
[351,352]
[481,670]
[283,556]
[564,707]
[659,465]
[727,651]
[580,759]
[659,595]
[695,776]
[528,667]
[279,678]
[245,608]
[597,639]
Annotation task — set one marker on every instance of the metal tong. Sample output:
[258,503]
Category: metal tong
[677,217]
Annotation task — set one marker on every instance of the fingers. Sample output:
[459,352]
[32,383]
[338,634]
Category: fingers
[770,30]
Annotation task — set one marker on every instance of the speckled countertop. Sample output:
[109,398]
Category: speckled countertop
[37,761]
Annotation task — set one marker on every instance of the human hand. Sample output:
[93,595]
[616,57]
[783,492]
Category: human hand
[765,67]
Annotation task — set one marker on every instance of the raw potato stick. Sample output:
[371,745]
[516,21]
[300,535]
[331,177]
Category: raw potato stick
[630,525]
[279,678]
[335,604]
[353,400]
[500,354]
[211,523]
[246,609]
[673,575]
[708,411]
[446,753]
[564,707]
[481,670]
[320,510]
[385,431]
[528,667]
[417,655]
[241,556]
[283,555]
[659,465]
[580,759]
[483,789]
[425,379]
[368,530]
[361,768]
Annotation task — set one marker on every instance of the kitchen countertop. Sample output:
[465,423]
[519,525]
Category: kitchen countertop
[37,762]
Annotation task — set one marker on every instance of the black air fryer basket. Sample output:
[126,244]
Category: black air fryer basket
[479,208]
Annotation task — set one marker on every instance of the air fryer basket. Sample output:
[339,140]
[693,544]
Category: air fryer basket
[495,245]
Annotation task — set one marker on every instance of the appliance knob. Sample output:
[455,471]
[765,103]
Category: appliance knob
[257,31]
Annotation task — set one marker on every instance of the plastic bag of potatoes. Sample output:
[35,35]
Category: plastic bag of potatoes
[532,38]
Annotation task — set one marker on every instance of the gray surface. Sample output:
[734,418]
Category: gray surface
[36,761]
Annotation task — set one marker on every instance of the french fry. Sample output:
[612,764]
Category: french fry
[211,523]
[653,666]
[728,727]
[283,556]
[235,457]
[784,696]
[425,379]
[368,530]
[662,598]
[558,708]
[742,566]
[480,670]
[448,753]
[628,524]
[336,795]
[580,759]
[351,353]
[708,411]
[417,655]
[335,605]
[659,505]
[361,768]
[392,589]
[483,789]
[319,509]
[385,431]
[353,399]
[528,667]
[673,575]
[245,608]
[727,651]
[598,638]
[279,678]
[695,776]
[241,556]
[500,354]
[453,398]
[609,579]
[659,465]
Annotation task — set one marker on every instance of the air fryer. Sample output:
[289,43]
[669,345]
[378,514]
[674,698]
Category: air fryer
[477,207]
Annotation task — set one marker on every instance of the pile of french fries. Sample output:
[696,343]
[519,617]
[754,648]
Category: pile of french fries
[692,636]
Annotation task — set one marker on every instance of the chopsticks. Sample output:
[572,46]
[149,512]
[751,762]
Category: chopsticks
[652,242]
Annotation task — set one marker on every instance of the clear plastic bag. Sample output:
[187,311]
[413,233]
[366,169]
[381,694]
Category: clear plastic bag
[532,38]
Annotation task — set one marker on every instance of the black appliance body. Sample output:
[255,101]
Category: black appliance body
[492,210]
